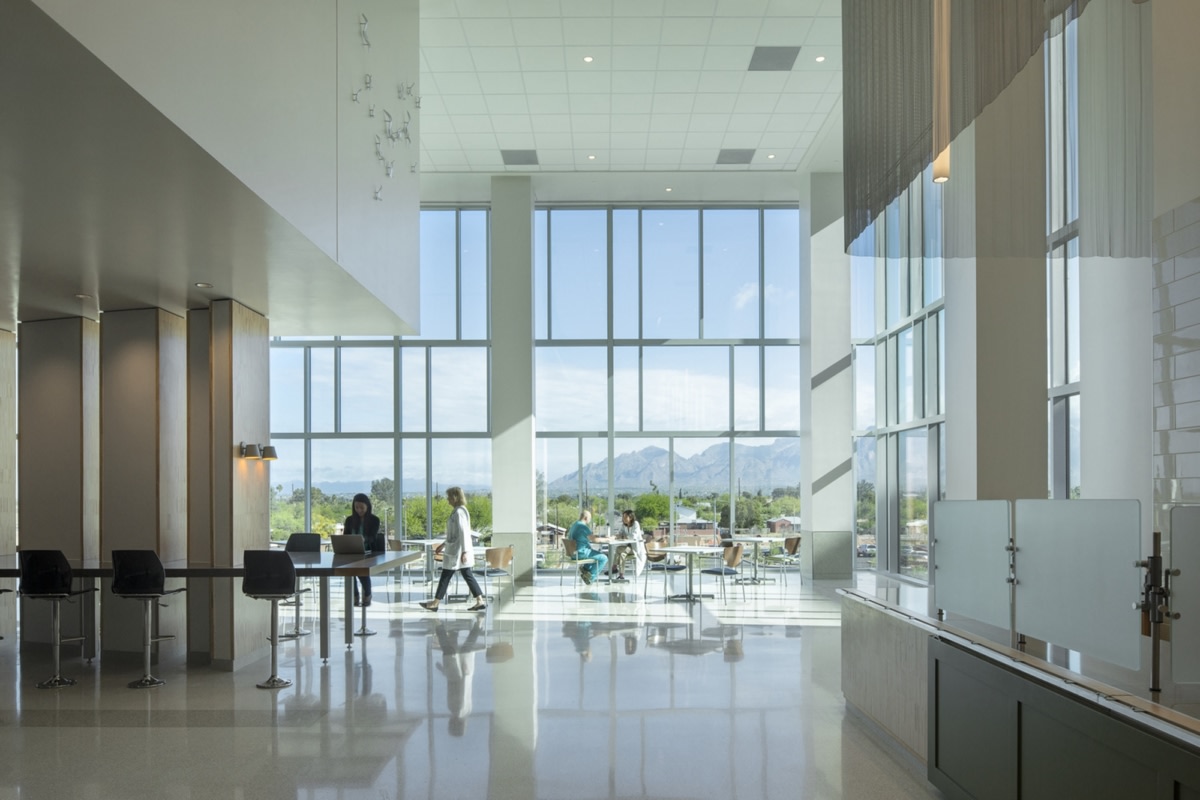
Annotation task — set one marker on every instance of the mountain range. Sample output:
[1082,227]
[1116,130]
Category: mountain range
[757,467]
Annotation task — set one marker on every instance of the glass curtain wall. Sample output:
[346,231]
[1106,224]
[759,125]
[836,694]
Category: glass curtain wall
[897,313]
[398,418]
[668,367]
[1062,256]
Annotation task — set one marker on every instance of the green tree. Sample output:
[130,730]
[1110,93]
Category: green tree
[785,506]
[650,509]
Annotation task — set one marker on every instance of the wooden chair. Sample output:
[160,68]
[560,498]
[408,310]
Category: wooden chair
[572,559]
[656,561]
[498,562]
[731,560]
[790,557]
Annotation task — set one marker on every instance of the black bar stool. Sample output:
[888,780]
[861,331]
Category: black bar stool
[46,575]
[270,575]
[301,543]
[139,575]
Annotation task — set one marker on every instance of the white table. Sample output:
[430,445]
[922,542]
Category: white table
[758,542]
[690,551]
[614,544]
[429,545]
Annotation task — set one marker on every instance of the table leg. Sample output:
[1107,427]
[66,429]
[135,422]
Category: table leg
[323,601]
[348,607]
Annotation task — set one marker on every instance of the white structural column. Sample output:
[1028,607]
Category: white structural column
[826,401]
[228,506]
[514,488]
[143,455]
[59,460]
[8,472]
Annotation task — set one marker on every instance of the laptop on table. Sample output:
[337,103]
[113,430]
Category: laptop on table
[347,544]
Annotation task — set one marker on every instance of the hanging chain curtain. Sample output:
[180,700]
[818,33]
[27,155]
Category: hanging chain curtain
[887,95]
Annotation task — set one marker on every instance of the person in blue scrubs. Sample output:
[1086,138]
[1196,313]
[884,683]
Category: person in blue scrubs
[582,534]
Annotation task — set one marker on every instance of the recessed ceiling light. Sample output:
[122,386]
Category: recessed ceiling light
[83,297]
[203,285]
[668,188]
[587,59]
[820,59]
[770,155]
[591,158]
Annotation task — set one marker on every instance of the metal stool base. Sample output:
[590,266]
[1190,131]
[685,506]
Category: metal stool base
[364,631]
[57,682]
[275,682]
[295,633]
[146,682]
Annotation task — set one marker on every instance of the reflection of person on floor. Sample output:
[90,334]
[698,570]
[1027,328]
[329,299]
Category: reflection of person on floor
[458,665]
[580,634]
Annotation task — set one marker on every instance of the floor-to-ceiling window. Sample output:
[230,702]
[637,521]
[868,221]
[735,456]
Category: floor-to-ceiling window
[668,367]
[898,341]
[397,418]
[1062,259]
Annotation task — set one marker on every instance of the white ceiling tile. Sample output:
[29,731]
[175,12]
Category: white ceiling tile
[599,82]
[590,103]
[765,82]
[549,104]
[511,123]
[632,82]
[676,81]
[689,8]
[779,141]
[472,123]
[628,141]
[709,122]
[672,104]
[728,57]
[534,59]
[551,123]
[827,102]
[724,81]
[808,81]
[498,83]
[797,103]
[507,103]
[495,59]
[788,32]
[448,59]
[686,30]
[436,123]
[545,82]
[637,8]
[442,33]
[554,141]
[814,123]
[786,122]
[825,31]
[630,123]
[465,104]
[530,8]
[537,32]
[831,8]
[748,122]
[735,30]
[704,139]
[458,83]
[707,103]
[586,8]
[627,160]
[680,57]
[741,140]
[590,123]
[663,158]
[477,141]
[670,122]
[479,8]
[632,103]
[756,103]
[587,31]
[740,8]
[634,57]
[431,104]
[636,30]
[794,8]
[693,157]
[666,140]
[437,10]
[548,157]
[447,158]
[485,158]
[489,32]
[516,141]
[587,140]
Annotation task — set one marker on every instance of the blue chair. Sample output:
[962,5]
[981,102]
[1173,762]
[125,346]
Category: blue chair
[657,561]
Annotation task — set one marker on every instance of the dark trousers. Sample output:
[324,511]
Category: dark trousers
[365,582]
[468,576]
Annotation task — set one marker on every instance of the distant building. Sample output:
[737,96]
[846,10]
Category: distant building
[783,524]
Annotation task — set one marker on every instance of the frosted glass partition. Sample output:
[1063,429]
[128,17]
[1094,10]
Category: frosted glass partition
[1076,579]
[1185,594]
[971,559]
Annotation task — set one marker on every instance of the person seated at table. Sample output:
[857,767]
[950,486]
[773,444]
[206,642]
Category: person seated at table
[583,537]
[362,522]
[631,530]
[458,553]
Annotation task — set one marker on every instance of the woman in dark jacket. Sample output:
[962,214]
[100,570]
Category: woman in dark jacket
[365,524]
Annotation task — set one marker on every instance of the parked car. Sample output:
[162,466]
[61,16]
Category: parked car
[866,550]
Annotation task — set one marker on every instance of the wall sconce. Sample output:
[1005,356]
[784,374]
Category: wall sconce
[258,451]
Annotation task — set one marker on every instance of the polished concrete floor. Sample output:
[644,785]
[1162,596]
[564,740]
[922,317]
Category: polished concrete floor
[579,692]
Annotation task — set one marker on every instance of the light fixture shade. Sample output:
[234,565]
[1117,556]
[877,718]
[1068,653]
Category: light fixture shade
[269,454]
[250,451]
